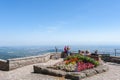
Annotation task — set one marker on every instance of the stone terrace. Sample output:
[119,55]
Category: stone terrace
[26,73]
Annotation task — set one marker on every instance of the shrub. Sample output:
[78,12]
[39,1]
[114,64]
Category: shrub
[78,58]
[77,63]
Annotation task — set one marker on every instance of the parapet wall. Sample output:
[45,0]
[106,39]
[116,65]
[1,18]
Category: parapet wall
[108,58]
[115,59]
[4,65]
[11,64]
[20,62]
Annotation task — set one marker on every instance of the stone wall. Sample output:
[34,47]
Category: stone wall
[55,55]
[108,58]
[11,64]
[20,62]
[115,59]
[105,57]
[4,65]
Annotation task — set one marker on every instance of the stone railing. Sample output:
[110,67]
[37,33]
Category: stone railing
[11,64]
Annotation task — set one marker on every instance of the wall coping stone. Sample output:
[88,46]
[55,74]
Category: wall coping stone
[2,60]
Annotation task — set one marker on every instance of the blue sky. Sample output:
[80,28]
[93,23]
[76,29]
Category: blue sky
[59,22]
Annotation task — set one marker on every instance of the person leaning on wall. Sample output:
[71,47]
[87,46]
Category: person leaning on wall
[87,53]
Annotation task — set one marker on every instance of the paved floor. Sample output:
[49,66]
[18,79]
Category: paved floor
[112,74]
[26,73]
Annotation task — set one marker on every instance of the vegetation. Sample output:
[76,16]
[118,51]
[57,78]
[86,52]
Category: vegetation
[80,58]
[77,63]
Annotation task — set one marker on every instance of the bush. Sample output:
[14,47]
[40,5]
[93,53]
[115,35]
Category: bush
[82,58]
[76,63]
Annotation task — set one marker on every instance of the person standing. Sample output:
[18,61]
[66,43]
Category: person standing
[65,49]
[68,51]
[56,50]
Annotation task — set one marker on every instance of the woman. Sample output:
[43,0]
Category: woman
[67,50]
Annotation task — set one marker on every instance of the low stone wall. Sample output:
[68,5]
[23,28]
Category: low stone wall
[114,59]
[20,62]
[11,64]
[105,57]
[71,75]
[55,55]
[108,58]
[4,65]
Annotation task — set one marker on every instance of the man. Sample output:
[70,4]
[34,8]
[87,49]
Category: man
[68,51]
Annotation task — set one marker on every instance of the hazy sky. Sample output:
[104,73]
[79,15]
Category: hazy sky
[55,22]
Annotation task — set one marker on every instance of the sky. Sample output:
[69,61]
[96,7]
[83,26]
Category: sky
[59,22]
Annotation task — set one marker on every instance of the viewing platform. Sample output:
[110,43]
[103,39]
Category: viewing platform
[22,68]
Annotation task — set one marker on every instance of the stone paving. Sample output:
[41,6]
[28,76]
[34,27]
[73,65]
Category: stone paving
[112,74]
[26,73]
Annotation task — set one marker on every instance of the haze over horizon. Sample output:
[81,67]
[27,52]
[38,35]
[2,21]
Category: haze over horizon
[59,22]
